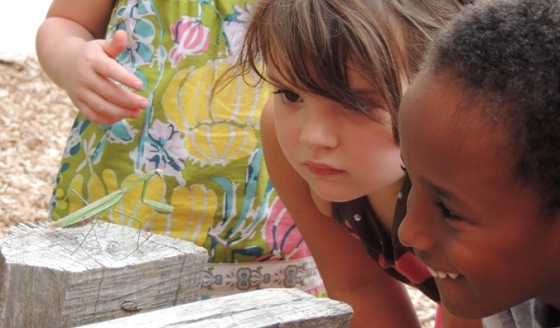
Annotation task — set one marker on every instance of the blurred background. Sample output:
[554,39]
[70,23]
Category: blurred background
[35,117]
[18,23]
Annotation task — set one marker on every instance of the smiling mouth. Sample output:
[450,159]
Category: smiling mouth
[443,275]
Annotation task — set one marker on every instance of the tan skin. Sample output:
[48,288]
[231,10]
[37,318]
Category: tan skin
[79,28]
[356,278]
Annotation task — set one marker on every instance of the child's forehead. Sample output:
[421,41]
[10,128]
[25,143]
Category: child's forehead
[440,102]
[283,73]
[439,112]
[285,66]
[451,145]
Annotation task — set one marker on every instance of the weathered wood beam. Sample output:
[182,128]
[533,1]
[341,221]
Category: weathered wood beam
[275,307]
[75,276]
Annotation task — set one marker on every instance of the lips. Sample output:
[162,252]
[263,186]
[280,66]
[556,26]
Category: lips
[322,169]
[443,275]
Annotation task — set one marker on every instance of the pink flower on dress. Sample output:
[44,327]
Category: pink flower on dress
[284,240]
[191,38]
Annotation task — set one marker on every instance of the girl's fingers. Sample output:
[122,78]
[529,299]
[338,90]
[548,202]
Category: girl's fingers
[116,45]
[120,95]
[96,117]
[111,69]
[117,94]
[116,72]
[102,111]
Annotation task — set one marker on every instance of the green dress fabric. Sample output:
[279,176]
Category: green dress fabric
[206,142]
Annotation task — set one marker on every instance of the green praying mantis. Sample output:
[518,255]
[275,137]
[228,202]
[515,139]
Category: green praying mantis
[106,202]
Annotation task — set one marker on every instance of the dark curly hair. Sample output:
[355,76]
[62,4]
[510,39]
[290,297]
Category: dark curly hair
[507,53]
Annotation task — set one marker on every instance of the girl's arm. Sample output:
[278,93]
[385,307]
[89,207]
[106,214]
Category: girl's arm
[349,273]
[72,51]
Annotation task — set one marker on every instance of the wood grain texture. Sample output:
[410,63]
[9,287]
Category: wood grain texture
[75,276]
[264,308]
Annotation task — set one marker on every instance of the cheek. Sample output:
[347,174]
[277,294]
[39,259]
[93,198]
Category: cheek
[378,153]
[375,167]
[496,278]
[286,132]
[492,261]
[381,154]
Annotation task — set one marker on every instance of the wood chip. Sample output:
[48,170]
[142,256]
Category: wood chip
[35,119]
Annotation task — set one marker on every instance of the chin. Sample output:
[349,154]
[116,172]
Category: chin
[467,309]
[336,197]
[332,198]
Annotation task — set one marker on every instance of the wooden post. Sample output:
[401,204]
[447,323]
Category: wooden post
[266,308]
[75,276]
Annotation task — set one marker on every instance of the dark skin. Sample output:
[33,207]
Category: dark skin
[468,217]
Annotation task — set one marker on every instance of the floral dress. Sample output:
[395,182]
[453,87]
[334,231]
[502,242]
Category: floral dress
[205,140]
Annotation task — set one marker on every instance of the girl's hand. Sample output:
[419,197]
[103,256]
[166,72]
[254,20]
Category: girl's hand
[98,85]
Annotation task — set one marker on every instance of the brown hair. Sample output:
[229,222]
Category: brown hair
[313,42]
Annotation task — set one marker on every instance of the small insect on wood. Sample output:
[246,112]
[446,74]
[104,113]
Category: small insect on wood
[104,203]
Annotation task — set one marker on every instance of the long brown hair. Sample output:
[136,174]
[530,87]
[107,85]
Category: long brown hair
[314,42]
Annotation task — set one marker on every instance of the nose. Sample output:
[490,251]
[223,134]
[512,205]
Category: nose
[319,128]
[416,229]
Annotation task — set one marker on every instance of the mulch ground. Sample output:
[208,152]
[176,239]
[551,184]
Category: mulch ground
[35,118]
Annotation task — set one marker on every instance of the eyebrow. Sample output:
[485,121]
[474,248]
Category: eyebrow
[441,192]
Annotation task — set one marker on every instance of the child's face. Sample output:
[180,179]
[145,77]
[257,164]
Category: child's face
[341,153]
[468,220]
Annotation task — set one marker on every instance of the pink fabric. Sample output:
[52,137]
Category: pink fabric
[437,323]
[409,266]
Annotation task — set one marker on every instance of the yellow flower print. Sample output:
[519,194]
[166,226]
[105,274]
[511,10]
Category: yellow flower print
[239,101]
[72,202]
[220,129]
[195,209]
[130,210]
[219,143]
[95,187]
[69,202]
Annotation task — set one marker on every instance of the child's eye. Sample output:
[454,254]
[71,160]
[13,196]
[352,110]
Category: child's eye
[446,213]
[289,96]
